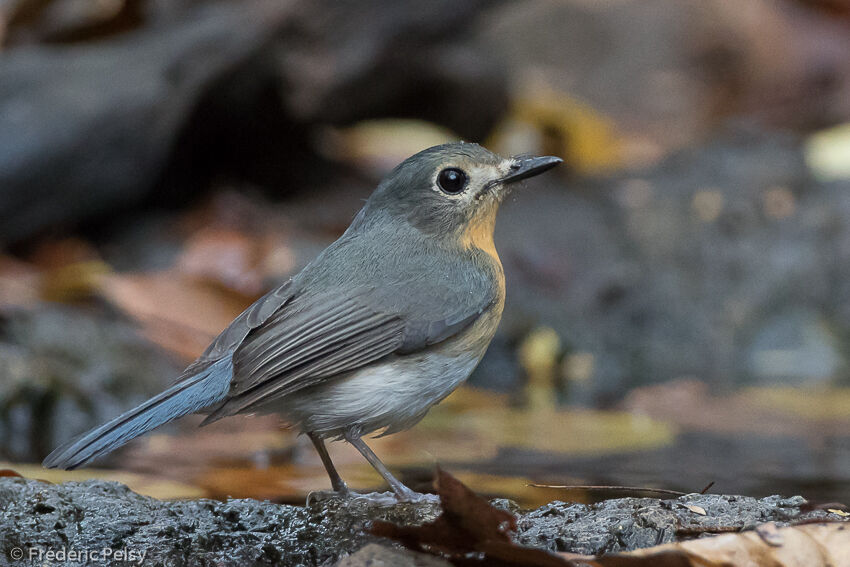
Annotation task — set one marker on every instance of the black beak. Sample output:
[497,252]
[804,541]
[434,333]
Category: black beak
[529,167]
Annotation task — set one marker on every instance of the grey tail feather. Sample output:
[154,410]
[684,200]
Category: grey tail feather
[186,396]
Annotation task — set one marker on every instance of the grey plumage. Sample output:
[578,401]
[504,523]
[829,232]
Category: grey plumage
[339,319]
[383,324]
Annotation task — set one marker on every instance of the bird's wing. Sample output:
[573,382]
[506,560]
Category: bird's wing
[230,338]
[315,337]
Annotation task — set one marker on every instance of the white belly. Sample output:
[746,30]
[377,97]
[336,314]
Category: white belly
[393,395]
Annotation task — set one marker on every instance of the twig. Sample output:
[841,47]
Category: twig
[602,487]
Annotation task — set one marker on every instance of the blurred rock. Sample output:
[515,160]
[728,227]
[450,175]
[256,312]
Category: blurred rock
[624,524]
[86,130]
[223,88]
[795,346]
[346,62]
[68,369]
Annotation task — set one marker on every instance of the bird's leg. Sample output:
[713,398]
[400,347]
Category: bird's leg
[336,481]
[402,492]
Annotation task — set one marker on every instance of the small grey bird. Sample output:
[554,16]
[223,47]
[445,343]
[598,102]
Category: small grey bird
[383,324]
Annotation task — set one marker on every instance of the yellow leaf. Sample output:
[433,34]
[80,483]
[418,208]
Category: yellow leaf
[810,545]
[567,127]
[814,403]
[828,153]
[378,145]
[148,485]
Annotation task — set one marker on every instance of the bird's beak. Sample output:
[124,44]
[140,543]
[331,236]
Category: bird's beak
[529,167]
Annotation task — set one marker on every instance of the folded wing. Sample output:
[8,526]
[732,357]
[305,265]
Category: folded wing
[316,337]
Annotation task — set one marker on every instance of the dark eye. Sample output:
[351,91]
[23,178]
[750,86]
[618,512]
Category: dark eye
[452,180]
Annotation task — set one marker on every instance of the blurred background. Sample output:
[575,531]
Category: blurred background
[678,307]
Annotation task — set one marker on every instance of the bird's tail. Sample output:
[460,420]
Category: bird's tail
[186,396]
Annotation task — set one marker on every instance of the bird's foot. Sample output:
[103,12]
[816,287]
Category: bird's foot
[413,497]
[393,498]
[375,498]
[315,496]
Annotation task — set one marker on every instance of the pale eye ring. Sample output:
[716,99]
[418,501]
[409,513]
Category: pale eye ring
[452,180]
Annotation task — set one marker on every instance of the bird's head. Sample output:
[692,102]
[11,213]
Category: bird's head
[453,191]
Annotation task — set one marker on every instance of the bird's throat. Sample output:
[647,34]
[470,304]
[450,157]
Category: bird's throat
[479,234]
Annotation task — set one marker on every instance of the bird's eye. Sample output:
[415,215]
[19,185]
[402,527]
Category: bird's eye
[452,180]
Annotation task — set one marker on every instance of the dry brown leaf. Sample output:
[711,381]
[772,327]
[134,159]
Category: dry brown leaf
[234,440]
[153,485]
[470,531]
[811,545]
[20,283]
[177,312]
[280,483]
[772,411]
[228,257]
[696,509]
[53,254]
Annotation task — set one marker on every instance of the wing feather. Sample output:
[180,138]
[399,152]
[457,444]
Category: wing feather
[326,329]
[322,337]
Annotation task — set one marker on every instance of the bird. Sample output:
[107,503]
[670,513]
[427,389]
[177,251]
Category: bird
[383,324]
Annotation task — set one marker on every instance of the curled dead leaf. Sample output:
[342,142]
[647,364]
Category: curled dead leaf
[470,531]
[811,545]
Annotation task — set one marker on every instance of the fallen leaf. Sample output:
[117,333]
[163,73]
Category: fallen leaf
[177,312]
[289,482]
[10,473]
[696,509]
[237,440]
[809,506]
[564,126]
[378,145]
[828,153]
[229,257]
[450,434]
[71,268]
[771,411]
[20,283]
[54,254]
[811,403]
[148,485]
[72,282]
[469,531]
[811,545]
